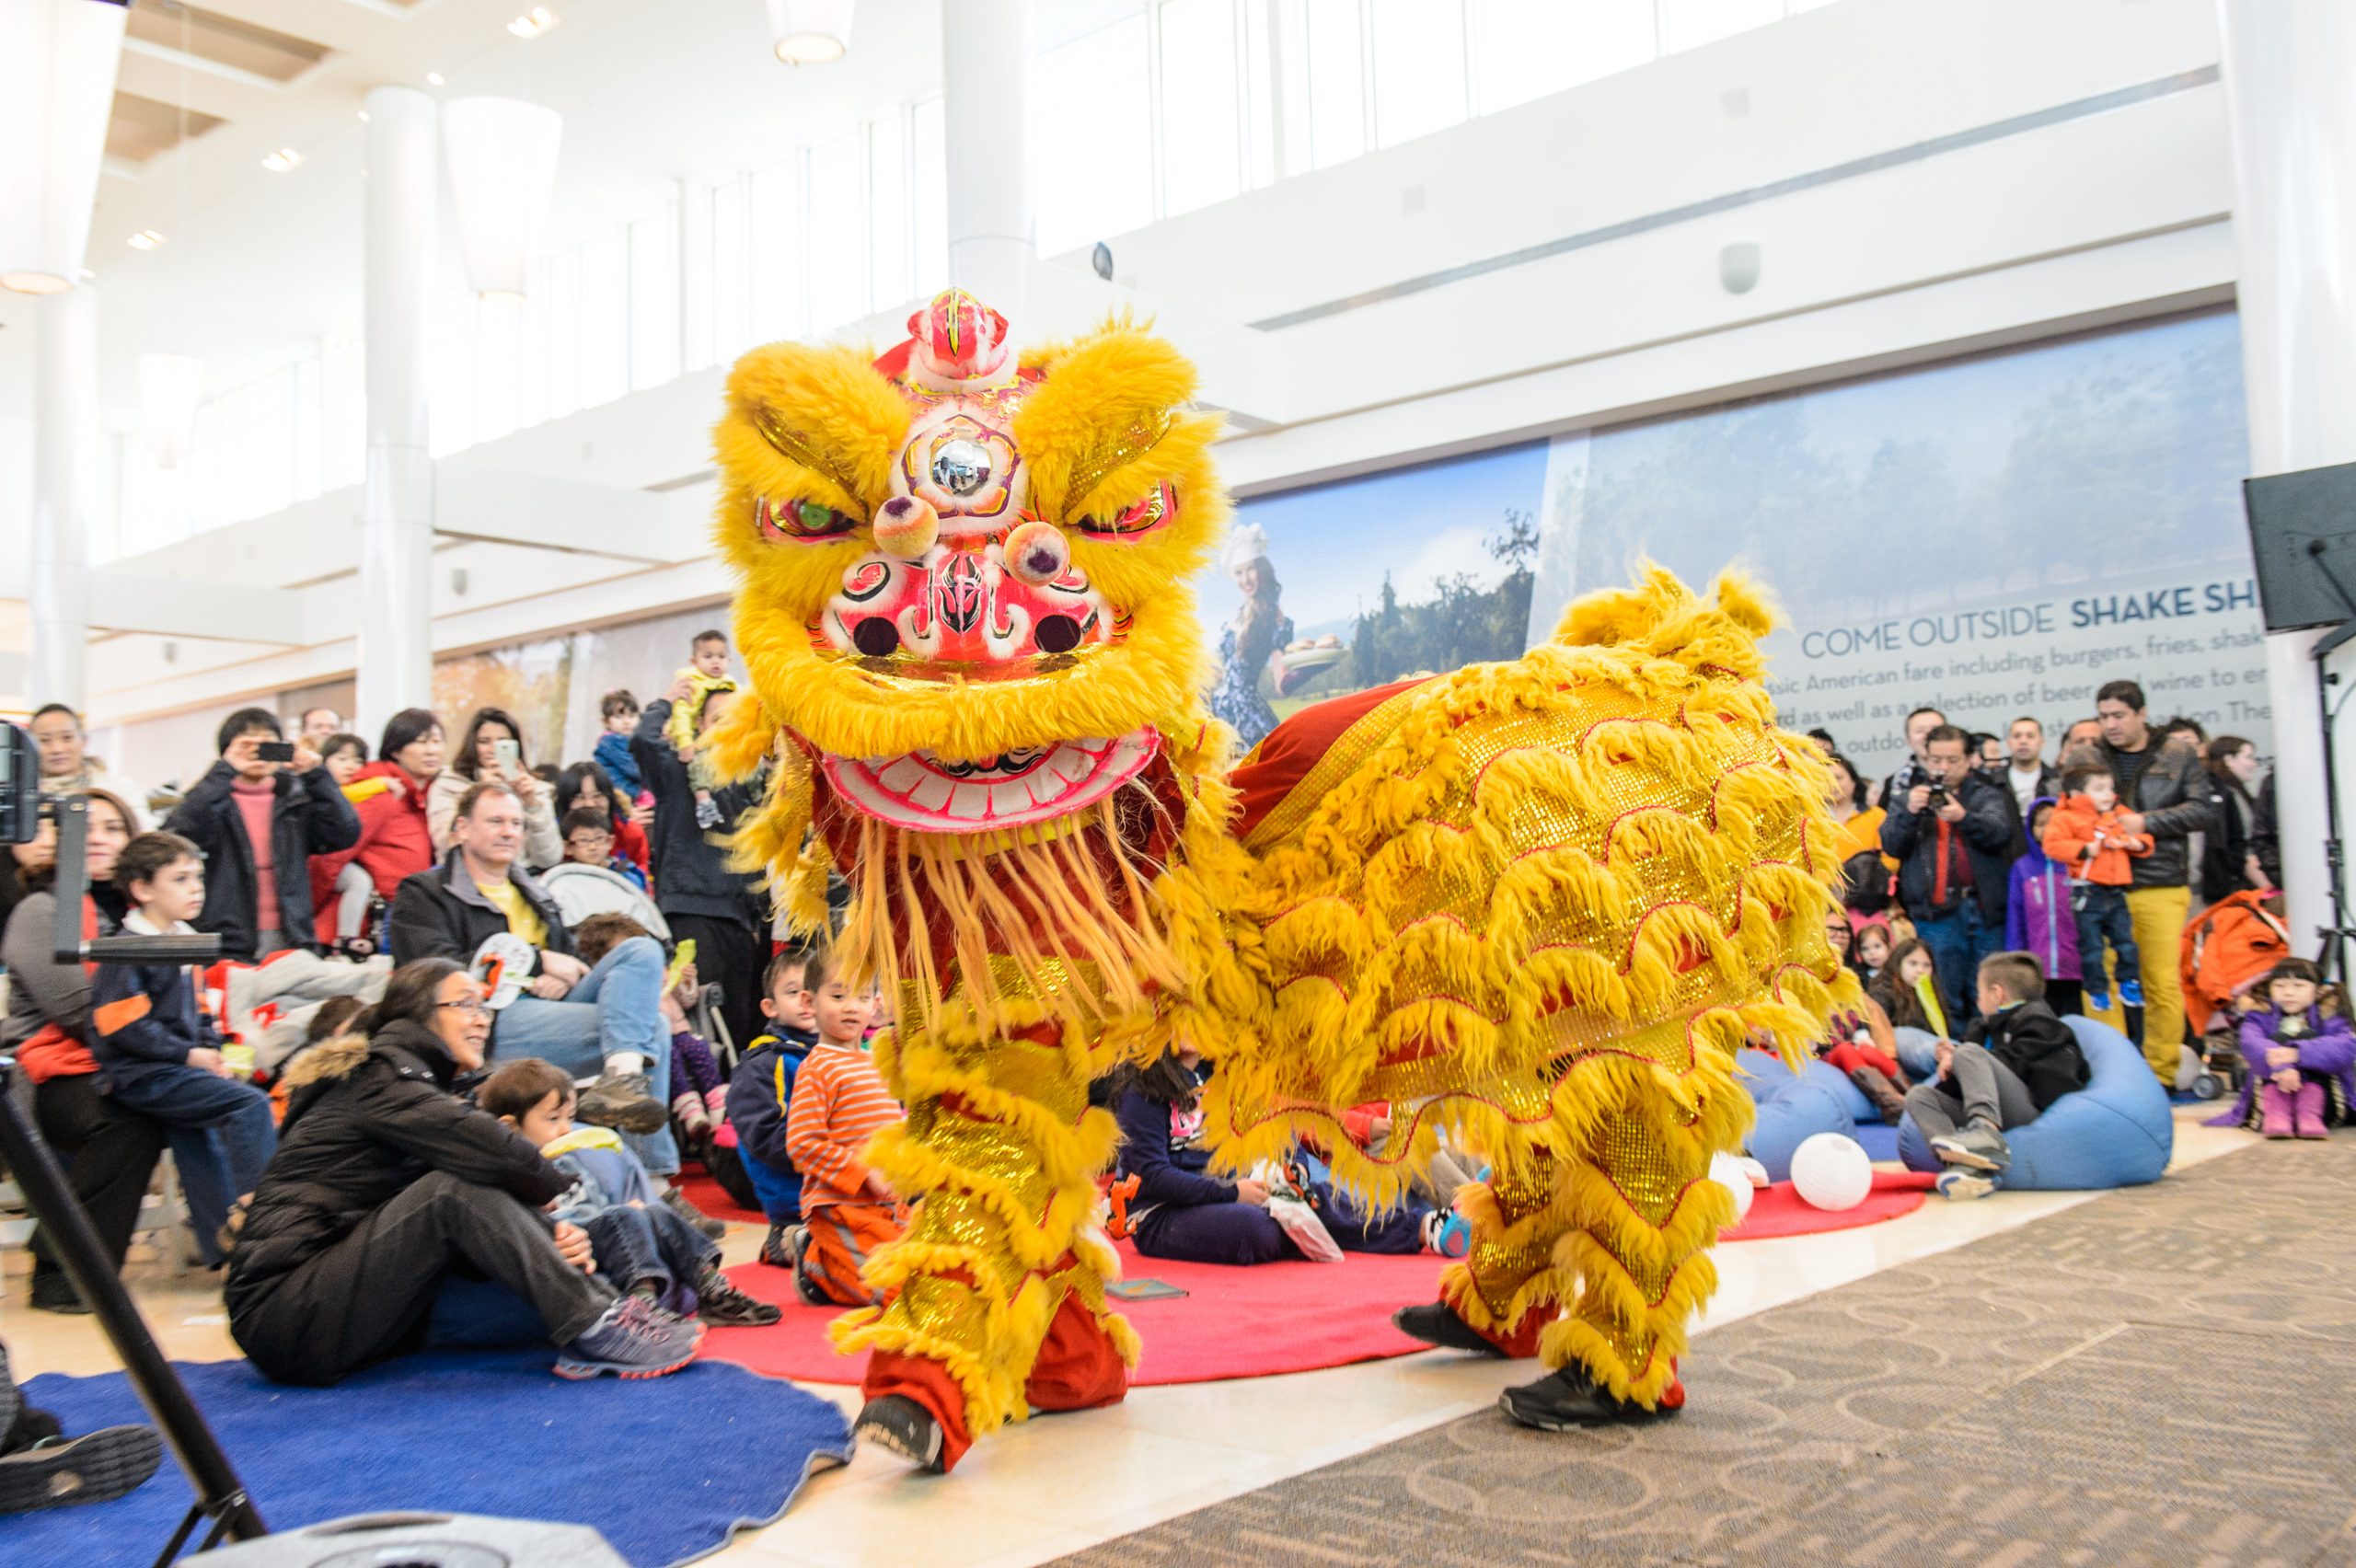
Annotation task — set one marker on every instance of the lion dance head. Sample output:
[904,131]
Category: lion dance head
[966,608]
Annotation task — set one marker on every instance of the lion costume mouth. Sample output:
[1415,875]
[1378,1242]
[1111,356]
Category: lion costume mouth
[925,794]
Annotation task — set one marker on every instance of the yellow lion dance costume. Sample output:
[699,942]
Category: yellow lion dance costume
[1539,906]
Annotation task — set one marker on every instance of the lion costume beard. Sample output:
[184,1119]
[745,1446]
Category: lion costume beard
[1541,905]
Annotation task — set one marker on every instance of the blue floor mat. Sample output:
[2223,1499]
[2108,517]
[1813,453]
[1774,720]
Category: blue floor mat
[666,1468]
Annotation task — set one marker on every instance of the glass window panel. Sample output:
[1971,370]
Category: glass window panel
[1289,71]
[1526,49]
[929,204]
[310,428]
[1092,136]
[779,281]
[604,322]
[1201,151]
[564,333]
[1418,68]
[695,277]
[1336,82]
[1260,91]
[654,299]
[887,212]
[499,336]
[838,248]
[730,330]
[1688,24]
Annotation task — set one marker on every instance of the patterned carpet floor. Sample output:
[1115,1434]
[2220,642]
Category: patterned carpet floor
[2165,1376]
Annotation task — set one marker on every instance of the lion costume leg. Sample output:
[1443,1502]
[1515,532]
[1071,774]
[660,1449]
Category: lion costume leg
[999,1281]
[1508,1288]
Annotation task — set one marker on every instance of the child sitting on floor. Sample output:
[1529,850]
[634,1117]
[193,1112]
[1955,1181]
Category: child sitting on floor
[838,1102]
[1906,990]
[2015,1060]
[761,1095]
[2296,1054]
[1859,1042]
[159,1054]
[1183,1213]
[641,1245]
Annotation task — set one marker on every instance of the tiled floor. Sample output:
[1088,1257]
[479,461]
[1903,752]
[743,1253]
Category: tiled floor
[1057,1484]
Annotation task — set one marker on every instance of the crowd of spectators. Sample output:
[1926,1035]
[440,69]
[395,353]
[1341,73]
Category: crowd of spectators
[414,870]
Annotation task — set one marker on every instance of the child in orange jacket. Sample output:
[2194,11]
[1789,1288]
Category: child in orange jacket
[2091,835]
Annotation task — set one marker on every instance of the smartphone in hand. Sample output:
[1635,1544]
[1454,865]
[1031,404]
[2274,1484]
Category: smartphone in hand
[510,756]
[274,751]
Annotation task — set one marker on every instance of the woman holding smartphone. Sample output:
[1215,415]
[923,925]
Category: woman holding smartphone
[492,748]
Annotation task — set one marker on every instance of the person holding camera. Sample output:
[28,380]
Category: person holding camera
[492,751]
[1952,834]
[260,814]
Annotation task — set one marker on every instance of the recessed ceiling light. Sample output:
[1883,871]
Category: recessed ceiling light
[533,23]
[281,160]
[146,239]
[364,117]
[434,78]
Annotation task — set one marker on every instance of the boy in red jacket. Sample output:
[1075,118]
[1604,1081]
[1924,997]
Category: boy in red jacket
[2089,834]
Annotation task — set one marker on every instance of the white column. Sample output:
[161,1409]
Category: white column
[2289,66]
[986,56]
[397,498]
[64,441]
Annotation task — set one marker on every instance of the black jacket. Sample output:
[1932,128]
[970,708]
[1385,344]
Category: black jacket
[364,1119]
[309,817]
[691,874]
[2037,1047]
[441,913]
[2228,841]
[2173,793]
[1912,838]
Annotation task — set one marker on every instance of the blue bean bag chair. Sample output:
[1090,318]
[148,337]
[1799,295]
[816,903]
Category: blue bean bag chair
[2115,1132]
[1792,1107]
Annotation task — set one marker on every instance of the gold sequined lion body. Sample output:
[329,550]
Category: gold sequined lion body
[1537,906]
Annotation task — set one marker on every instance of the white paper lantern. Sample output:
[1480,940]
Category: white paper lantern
[170,385]
[1727,1171]
[502,157]
[810,32]
[1832,1171]
[57,68]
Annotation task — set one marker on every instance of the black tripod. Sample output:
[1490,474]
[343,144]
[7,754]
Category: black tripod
[2332,954]
[220,1496]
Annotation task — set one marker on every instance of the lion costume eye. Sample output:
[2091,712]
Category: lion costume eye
[801,520]
[1159,505]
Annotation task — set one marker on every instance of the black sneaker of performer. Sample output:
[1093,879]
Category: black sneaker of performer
[1435,1322]
[898,1425]
[1569,1398]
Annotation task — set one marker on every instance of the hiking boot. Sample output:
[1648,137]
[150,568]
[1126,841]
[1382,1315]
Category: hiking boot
[1569,1398]
[1436,1323]
[632,1340]
[620,1100]
[1960,1184]
[95,1468]
[898,1425]
[1978,1146]
[676,1202]
[1883,1095]
[719,1303]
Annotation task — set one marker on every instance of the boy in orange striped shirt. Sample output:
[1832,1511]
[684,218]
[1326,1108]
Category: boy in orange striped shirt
[839,1101]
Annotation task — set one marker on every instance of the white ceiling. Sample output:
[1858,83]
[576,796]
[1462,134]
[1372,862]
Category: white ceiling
[260,265]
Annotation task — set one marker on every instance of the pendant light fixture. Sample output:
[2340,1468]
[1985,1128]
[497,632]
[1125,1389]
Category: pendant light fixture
[500,154]
[57,75]
[810,32]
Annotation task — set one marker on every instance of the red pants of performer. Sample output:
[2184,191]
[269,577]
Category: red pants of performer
[1077,1368]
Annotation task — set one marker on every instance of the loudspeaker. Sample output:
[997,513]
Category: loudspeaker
[424,1541]
[2303,537]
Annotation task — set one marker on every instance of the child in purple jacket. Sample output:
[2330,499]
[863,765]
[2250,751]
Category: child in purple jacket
[2297,1058]
[2036,915]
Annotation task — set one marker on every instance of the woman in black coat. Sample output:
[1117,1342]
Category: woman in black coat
[386,1182]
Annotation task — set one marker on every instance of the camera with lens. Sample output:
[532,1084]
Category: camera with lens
[1937,799]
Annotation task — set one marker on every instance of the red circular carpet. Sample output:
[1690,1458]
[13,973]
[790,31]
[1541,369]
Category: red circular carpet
[1249,1323]
[1780,1210]
[1235,1323]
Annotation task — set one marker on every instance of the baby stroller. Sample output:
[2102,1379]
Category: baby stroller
[2224,952]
